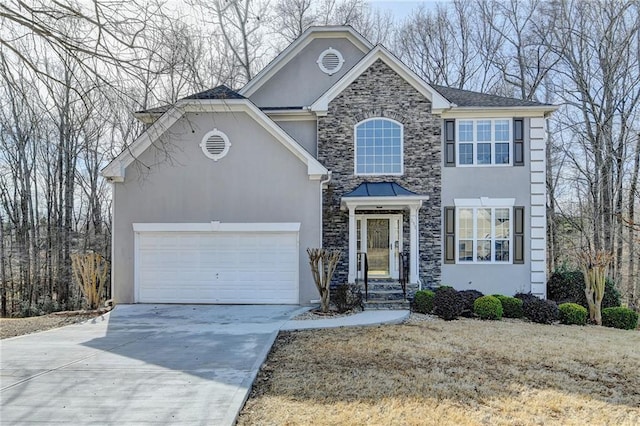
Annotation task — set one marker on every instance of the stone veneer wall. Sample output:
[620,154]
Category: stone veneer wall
[380,92]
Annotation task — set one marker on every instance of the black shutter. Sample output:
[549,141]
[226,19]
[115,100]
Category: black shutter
[450,143]
[518,142]
[449,235]
[518,235]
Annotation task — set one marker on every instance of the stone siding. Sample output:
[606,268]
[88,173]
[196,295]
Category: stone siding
[380,92]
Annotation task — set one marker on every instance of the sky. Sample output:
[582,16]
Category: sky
[402,8]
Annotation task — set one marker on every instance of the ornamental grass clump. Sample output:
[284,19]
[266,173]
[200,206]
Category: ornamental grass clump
[622,318]
[447,303]
[573,314]
[488,308]
[511,306]
[423,301]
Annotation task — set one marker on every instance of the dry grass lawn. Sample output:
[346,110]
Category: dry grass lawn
[464,372]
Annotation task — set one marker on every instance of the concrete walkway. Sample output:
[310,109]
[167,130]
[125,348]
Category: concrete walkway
[148,364]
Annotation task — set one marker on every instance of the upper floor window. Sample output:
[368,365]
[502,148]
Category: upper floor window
[484,142]
[378,147]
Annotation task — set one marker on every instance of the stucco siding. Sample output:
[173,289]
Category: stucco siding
[174,182]
[304,132]
[492,182]
[300,81]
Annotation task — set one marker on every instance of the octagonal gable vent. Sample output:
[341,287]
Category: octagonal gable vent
[330,61]
[215,144]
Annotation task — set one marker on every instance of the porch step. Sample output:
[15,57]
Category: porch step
[387,294]
[373,305]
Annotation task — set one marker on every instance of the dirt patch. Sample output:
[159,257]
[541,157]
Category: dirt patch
[431,372]
[11,327]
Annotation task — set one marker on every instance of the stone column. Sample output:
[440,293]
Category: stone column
[353,256]
[414,254]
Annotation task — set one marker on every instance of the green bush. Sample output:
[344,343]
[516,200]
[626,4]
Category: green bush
[511,306]
[468,297]
[619,317]
[568,286]
[447,303]
[572,313]
[423,301]
[488,307]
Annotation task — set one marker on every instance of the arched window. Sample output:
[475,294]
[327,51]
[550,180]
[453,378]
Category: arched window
[378,147]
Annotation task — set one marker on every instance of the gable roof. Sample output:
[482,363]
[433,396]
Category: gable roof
[380,52]
[115,170]
[148,116]
[467,98]
[219,92]
[300,43]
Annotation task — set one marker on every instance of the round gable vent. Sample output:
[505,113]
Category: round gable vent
[215,144]
[330,61]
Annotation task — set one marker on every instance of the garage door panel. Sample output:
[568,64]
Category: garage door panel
[210,267]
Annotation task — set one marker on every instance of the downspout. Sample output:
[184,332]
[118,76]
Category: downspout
[322,186]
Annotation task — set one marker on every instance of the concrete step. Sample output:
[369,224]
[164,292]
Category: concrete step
[385,304]
[385,294]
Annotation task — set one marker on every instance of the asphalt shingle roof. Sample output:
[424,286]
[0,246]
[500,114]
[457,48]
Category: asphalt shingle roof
[219,92]
[379,189]
[467,98]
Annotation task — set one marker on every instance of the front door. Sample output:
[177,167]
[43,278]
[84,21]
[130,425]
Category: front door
[380,237]
[378,246]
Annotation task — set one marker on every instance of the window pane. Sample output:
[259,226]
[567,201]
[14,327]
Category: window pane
[502,250]
[484,153]
[465,250]
[465,131]
[466,153]
[502,131]
[502,153]
[378,147]
[465,223]
[484,130]
[484,223]
[502,223]
[484,251]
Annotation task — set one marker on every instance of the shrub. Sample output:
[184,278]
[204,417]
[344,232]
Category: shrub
[572,313]
[540,310]
[619,317]
[347,297]
[423,301]
[568,286]
[511,306]
[447,303]
[488,307]
[468,298]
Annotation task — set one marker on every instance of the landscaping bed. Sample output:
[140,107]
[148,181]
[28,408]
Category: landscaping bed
[11,327]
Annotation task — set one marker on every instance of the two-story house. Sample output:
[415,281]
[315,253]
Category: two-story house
[335,144]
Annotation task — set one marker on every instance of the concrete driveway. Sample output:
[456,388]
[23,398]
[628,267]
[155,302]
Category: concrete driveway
[139,364]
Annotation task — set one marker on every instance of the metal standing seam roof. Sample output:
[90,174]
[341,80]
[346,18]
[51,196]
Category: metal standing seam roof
[380,189]
[467,98]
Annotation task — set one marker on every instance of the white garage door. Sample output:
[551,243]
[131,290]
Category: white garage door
[217,267]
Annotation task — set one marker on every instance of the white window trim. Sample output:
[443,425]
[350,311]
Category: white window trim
[217,226]
[493,142]
[223,153]
[325,70]
[474,238]
[355,148]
